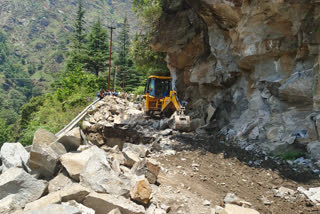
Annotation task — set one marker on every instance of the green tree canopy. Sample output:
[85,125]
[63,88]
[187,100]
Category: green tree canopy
[4,132]
[79,32]
[77,55]
[97,49]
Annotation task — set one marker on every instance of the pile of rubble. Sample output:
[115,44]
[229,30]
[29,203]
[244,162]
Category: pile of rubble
[102,167]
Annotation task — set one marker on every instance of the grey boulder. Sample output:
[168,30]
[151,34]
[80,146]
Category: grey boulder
[14,155]
[100,177]
[74,163]
[45,153]
[17,188]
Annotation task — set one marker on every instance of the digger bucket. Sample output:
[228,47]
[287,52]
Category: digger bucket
[182,123]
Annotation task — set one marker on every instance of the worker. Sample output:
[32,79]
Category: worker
[101,94]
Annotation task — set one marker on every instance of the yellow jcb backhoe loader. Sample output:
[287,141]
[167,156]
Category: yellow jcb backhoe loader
[160,98]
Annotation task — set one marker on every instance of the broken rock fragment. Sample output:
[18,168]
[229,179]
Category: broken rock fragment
[312,194]
[45,153]
[72,140]
[104,203]
[115,211]
[83,209]
[140,150]
[147,167]
[283,192]
[55,209]
[140,190]
[96,138]
[130,158]
[235,209]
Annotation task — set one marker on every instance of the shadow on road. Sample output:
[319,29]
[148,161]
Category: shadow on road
[213,145]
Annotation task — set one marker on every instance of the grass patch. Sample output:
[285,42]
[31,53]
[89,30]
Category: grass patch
[291,155]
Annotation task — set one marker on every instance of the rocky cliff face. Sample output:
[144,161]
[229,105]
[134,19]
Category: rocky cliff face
[255,61]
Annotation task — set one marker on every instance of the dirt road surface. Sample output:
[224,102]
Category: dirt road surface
[193,177]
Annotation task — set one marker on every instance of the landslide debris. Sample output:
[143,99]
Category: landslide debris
[123,164]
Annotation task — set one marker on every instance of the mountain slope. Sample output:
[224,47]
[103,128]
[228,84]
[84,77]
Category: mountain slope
[40,31]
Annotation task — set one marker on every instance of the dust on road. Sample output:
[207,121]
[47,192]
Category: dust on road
[190,178]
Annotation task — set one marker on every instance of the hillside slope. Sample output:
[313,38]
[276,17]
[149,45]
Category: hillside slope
[39,31]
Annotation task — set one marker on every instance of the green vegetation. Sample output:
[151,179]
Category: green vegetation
[74,89]
[24,106]
[147,60]
[16,88]
[149,12]
[291,155]
[97,49]
[41,31]
[4,131]
[53,111]
[128,76]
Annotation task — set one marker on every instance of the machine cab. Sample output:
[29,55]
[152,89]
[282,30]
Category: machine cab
[158,86]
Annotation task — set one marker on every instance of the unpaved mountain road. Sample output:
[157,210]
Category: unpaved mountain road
[192,176]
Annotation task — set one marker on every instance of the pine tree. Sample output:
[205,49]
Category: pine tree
[97,49]
[77,55]
[79,27]
[128,74]
[124,43]
[122,61]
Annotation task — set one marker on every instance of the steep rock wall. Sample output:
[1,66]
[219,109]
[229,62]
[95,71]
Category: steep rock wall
[254,61]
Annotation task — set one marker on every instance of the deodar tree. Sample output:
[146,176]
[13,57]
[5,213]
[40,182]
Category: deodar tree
[97,49]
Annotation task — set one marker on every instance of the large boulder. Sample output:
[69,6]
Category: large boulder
[14,155]
[17,188]
[72,140]
[100,177]
[45,153]
[104,203]
[74,192]
[74,163]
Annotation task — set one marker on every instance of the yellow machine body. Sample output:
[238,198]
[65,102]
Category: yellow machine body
[160,98]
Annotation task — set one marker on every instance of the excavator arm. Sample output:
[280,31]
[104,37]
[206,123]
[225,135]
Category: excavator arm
[170,105]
